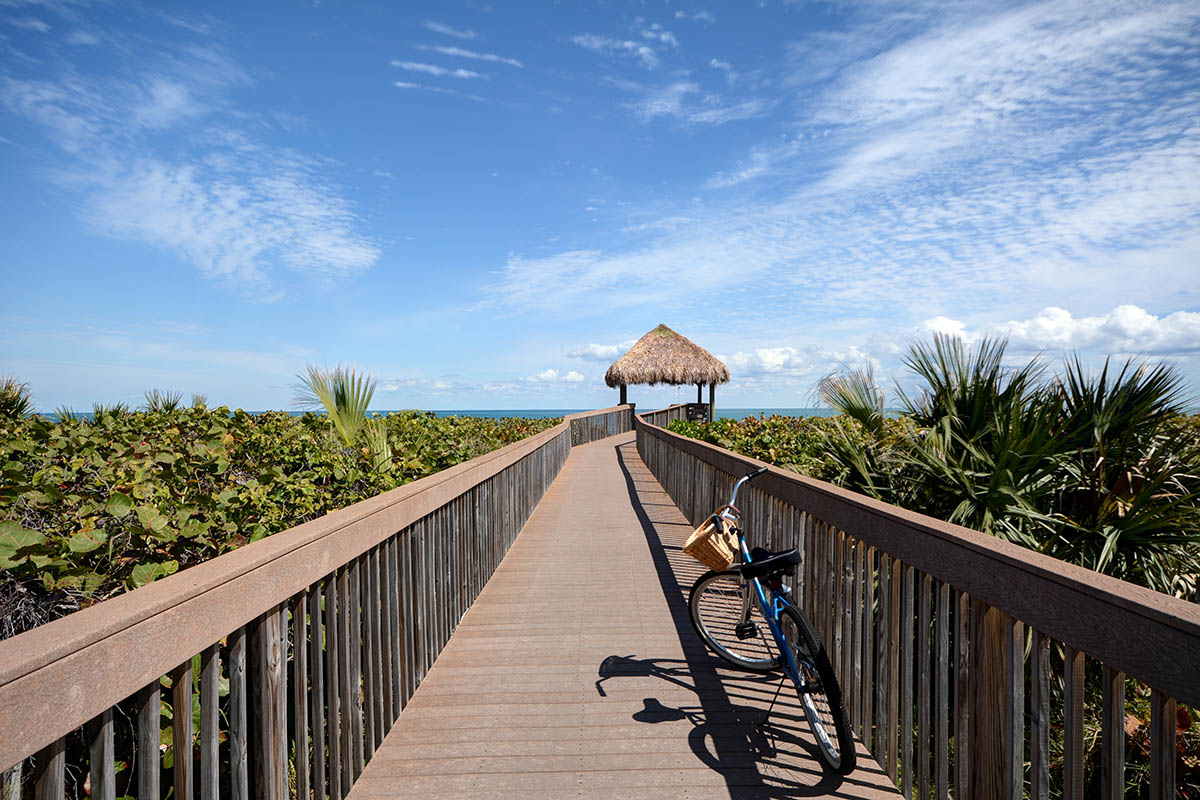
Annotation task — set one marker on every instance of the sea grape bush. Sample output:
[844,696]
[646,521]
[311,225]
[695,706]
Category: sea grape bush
[91,508]
[795,443]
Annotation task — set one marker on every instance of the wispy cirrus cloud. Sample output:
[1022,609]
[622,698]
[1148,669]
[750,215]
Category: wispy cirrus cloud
[447,30]
[978,163]
[440,72]
[687,103]
[459,52]
[441,90]
[703,16]
[30,24]
[230,204]
[605,45]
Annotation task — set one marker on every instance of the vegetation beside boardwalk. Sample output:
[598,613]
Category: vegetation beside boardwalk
[1101,469]
[92,507]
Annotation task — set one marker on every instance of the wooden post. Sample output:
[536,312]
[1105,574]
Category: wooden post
[712,392]
[988,742]
[270,720]
[699,393]
[623,395]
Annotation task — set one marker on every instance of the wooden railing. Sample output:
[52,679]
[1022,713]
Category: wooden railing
[597,425]
[963,657]
[303,647]
[665,416]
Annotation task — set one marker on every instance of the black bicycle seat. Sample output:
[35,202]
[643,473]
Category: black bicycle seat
[764,562]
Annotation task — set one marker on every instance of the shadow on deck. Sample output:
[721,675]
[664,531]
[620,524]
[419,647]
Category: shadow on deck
[577,671]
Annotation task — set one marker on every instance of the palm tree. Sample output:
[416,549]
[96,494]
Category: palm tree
[344,394]
[16,401]
[1128,499]
[1091,469]
[158,400]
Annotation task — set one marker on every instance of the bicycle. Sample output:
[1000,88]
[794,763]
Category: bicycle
[728,607]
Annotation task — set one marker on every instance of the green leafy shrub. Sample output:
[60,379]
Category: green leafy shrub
[795,443]
[91,508]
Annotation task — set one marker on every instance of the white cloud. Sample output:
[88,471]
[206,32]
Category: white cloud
[966,164]
[727,68]
[159,154]
[461,53]
[1126,330]
[702,15]
[657,34]
[83,38]
[944,325]
[788,363]
[675,101]
[430,69]
[233,224]
[30,24]
[554,376]
[760,164]
[599,352]
[457,33]
[607,46]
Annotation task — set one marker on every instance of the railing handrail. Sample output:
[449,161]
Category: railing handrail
[48,675]
[1130,627]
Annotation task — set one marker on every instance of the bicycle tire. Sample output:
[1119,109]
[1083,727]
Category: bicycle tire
[820,695]
[715,605]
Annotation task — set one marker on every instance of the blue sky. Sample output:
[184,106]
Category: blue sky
[483,204]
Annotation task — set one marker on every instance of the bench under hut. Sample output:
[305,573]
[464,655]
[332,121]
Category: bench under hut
[664,356]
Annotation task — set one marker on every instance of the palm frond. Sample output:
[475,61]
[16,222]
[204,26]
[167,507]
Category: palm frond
[342,392]
[64,413]
[856,394]
[16,400]
[158,400]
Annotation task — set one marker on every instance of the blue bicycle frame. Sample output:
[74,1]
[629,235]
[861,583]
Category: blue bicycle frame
[771,608]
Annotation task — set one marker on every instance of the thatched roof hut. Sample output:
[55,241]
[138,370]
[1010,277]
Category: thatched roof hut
[663,356]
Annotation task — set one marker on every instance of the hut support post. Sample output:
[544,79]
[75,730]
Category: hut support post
[699,393]
[624,399]
[712,393]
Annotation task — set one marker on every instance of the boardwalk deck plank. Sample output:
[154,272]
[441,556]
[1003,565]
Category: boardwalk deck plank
[576,672]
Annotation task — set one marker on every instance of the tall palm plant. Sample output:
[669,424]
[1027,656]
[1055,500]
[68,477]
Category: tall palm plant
[982,451]
[1092,469]
[16,401]
[1127,499]
[342,392]
[863,459]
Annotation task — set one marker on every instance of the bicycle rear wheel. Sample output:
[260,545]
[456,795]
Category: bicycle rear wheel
[819,693]
[718,603]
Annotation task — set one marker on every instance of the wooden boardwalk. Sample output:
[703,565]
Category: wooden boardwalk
[577,673]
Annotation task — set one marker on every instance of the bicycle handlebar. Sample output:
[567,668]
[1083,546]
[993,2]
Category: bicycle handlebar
[748,477]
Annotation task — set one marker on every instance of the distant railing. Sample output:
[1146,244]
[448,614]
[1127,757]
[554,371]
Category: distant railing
[597,425]
[927,626]
[665,416]
[304,646]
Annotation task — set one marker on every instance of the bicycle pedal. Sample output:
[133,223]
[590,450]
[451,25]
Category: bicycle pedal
[746,630]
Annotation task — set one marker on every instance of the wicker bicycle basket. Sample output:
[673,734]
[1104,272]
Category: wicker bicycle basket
[711,546]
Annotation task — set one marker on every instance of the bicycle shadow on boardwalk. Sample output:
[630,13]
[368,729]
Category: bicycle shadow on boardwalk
[758,757]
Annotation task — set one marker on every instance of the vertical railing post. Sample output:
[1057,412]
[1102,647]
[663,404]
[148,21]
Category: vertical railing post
[988,712]
[270,702]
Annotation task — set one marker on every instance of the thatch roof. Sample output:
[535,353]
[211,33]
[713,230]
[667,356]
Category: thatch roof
[663,356]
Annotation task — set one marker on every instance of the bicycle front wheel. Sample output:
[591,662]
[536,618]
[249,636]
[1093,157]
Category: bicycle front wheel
[719,603]
[819,693]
